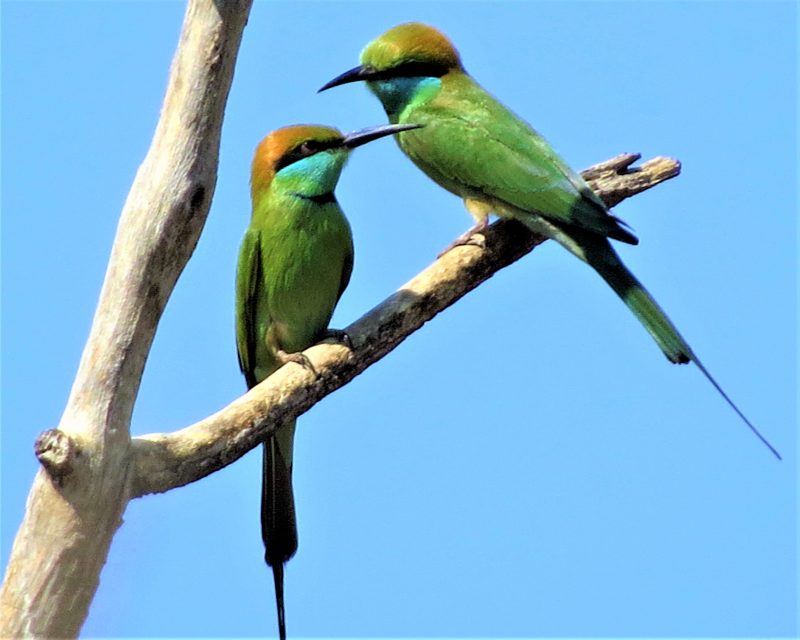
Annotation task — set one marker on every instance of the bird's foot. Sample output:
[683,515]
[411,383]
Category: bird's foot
[297,358]
[474,236]
[338,335]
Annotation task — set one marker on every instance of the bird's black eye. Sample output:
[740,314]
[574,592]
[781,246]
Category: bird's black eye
[412,69]
[308,148]
[304,150]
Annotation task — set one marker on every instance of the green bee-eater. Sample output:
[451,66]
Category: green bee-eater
[294,264]
[476,148]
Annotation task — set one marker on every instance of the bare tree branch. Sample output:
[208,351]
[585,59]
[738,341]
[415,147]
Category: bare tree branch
[72,515]
[165,461]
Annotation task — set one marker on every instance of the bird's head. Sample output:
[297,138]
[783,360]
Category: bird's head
[411,47]
[407,59]
[306,160]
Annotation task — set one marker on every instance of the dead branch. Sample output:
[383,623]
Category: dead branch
[72,515]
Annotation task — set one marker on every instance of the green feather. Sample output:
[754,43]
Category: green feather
[475,147]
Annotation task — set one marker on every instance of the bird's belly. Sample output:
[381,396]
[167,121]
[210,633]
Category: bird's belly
[302,296]
[300,315]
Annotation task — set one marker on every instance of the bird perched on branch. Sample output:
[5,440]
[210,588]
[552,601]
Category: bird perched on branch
[476,148]
[294,264]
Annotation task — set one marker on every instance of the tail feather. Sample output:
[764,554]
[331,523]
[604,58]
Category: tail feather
[277,574]
[606,262]
[600,255]
[752,427]
[278,520]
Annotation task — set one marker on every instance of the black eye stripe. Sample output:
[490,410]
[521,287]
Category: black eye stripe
[304,150]
[412,69]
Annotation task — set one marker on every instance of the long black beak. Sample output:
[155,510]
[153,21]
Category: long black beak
[356,74]
[357,138]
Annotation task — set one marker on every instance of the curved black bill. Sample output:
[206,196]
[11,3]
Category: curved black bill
[357,138]
[356,74]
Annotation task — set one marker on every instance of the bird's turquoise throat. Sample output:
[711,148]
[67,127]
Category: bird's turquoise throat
[397,93]
[313,177]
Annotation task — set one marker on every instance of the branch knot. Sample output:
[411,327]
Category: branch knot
[57,452]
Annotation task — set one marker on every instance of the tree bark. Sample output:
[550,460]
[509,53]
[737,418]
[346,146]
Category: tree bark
[77,499]
[91,467]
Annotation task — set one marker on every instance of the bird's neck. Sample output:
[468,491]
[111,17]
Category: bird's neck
[292,198]
[396,94]
[319,199]
[313,178]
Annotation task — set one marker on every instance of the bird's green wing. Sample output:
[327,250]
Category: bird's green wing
[248,285]
[474,146]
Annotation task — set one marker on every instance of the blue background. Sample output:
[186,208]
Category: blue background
[526,464]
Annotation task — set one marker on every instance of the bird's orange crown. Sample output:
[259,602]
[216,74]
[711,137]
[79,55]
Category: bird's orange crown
[279,143]
[409,42]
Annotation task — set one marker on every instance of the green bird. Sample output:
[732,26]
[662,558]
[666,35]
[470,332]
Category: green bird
[294,264]
[476,148]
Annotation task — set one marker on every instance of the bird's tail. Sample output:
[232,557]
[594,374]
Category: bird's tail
[600,255]
[278,521]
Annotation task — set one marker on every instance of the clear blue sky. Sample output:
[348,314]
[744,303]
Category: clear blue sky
[527,464]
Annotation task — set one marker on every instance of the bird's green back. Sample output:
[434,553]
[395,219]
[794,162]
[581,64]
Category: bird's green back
[477,148]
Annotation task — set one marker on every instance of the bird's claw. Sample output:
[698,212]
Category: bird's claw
[297,358]
[474,236]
